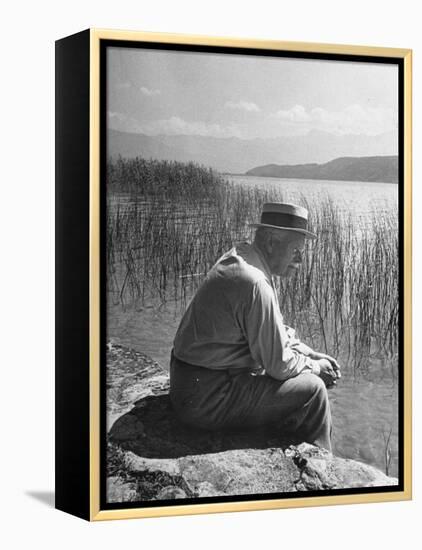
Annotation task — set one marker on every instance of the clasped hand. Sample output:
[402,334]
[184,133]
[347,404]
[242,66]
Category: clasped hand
[330,369]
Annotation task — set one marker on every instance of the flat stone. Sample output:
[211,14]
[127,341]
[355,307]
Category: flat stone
[170,492]
[151,455]
[120,491]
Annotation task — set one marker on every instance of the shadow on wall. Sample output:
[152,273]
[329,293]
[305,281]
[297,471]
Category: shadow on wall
[45,497]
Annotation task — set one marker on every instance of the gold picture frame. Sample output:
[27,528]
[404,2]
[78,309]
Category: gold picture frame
[80,89]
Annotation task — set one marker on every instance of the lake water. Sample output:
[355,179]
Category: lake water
[365,411]
[359,198]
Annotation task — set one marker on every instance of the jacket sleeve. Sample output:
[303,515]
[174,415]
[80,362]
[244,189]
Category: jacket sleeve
[269,342]
[295,343]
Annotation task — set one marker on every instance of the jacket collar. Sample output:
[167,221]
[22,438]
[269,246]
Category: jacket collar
[253,256]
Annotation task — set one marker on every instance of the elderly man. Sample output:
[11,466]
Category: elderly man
[234,362]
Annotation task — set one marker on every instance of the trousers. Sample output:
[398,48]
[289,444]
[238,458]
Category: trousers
[226,399]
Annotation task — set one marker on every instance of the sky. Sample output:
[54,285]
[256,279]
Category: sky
[184,93]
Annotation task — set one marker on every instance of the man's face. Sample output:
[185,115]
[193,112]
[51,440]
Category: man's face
[284,253]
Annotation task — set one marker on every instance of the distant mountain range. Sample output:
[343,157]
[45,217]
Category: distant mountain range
[235,155]
[380,169]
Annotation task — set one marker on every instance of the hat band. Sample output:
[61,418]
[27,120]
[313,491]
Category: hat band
[284,220]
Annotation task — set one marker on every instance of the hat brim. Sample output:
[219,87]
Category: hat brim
[307,234]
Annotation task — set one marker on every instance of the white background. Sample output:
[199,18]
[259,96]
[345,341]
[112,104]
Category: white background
[27,275]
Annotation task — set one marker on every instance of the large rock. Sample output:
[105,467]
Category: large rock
[151,456]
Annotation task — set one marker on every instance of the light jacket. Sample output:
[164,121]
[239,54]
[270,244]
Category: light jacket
[234,321]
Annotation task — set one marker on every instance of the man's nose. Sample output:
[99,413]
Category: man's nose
[297,258]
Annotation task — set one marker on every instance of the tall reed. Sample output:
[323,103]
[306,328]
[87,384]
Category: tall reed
[168,222]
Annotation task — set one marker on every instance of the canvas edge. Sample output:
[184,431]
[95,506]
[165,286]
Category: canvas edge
[96,514]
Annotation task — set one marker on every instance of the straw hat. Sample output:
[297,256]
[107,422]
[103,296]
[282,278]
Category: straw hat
[289,217]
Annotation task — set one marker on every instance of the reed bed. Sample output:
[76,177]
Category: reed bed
[168,222]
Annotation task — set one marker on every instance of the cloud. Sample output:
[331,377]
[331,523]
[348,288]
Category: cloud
[126,85]
[123,85]
[172,126]
[148,92]
[122,122]
[295,114]
[242,106]
[354,119]
[176,125]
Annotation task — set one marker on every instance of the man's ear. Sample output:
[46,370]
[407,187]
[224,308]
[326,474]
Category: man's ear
[269,243]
